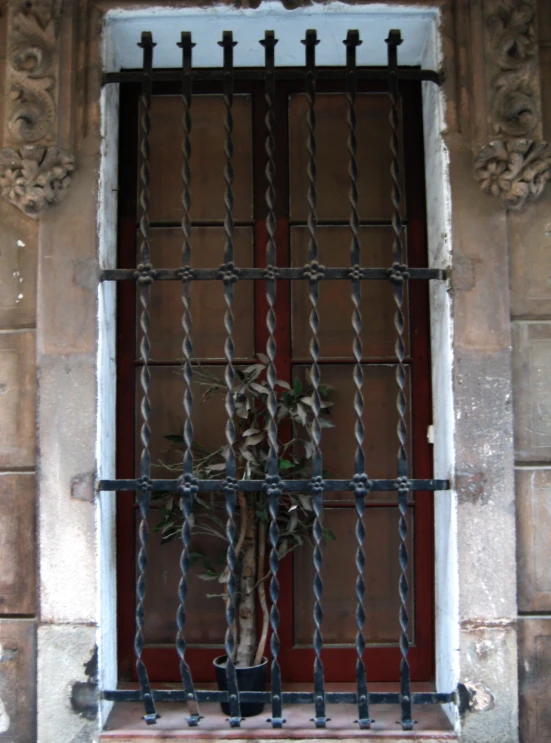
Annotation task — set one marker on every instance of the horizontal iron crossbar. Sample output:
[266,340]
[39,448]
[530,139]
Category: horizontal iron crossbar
[289,697]
[282,73]
[289,486]
[216,274]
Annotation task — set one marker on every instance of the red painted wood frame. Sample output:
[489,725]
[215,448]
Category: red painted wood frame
[382,662]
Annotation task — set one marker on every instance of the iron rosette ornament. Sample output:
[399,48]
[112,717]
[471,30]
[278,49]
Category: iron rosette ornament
[33,178]
[515,170]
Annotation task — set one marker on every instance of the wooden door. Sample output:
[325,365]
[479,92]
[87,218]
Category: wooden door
[205,626]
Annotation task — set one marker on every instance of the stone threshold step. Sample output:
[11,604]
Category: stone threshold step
[125,725]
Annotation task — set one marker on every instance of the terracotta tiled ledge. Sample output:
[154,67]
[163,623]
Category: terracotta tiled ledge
[125,724]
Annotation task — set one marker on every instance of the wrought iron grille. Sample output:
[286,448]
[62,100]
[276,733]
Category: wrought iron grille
[359,484]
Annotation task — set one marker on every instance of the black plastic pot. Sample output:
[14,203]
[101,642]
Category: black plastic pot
[249,678]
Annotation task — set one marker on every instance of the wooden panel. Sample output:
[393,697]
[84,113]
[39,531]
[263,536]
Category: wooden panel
[533,499]
[377,303]
[380,421]
[333,181]
[534,664]
[206,621]
[167,417]
[17,544]
[205,617]
[207,158]
[382,574]
[207,297]
[18,681]
[17,399]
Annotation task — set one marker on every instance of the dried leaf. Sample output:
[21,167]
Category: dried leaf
[260,388]
[265,360]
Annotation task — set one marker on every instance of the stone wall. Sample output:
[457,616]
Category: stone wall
[50,514]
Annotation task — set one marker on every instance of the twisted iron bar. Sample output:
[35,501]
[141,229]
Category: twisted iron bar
[360,482]
[188,484]
[315,272]
[398,275]
[146,277]
[229,277]
[272,485]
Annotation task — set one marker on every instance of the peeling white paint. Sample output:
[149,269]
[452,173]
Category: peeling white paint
[4,719]
[332,21]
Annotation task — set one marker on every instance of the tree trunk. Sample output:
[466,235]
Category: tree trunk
[246,647]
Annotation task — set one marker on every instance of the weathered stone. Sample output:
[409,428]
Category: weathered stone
[17,544]
[485,487]
[534,549]
[479,263]
[488,657]
[532,398]
[68,252]
[534,663]
[67,417]
[17,399]
[18,253]
[530,259]
[17,680]
[67,684]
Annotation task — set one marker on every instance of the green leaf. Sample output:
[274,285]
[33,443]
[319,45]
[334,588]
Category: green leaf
[175,437]
[265,360]
[285,464]
[297,388]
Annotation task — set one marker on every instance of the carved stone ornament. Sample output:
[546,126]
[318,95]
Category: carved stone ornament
[32,71]
[34,178]
[515,109]
[514,170]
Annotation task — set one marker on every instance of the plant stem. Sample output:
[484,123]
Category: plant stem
[262,594]
[246,613]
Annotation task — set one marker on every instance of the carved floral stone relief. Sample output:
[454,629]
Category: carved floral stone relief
[33,178]
[516,165]
[34,173]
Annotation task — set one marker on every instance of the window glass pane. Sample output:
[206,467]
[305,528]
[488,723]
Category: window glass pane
[339,573]
[332,156]
[207,297]
[207,158]
[335,305]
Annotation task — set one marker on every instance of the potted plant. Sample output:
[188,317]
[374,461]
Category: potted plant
[294,416]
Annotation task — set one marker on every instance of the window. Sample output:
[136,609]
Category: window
[384,571]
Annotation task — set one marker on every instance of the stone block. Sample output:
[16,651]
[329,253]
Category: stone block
[18,251]
[533,501]
[485,485]
[534,663]
[17,681]
[531,391]
[17,399]
[67,536]
[67,684]
[488,665]
[479,280]
[68,269]
[17,544]
[530,259]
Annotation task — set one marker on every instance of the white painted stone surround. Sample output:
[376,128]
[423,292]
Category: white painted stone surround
[89,612]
